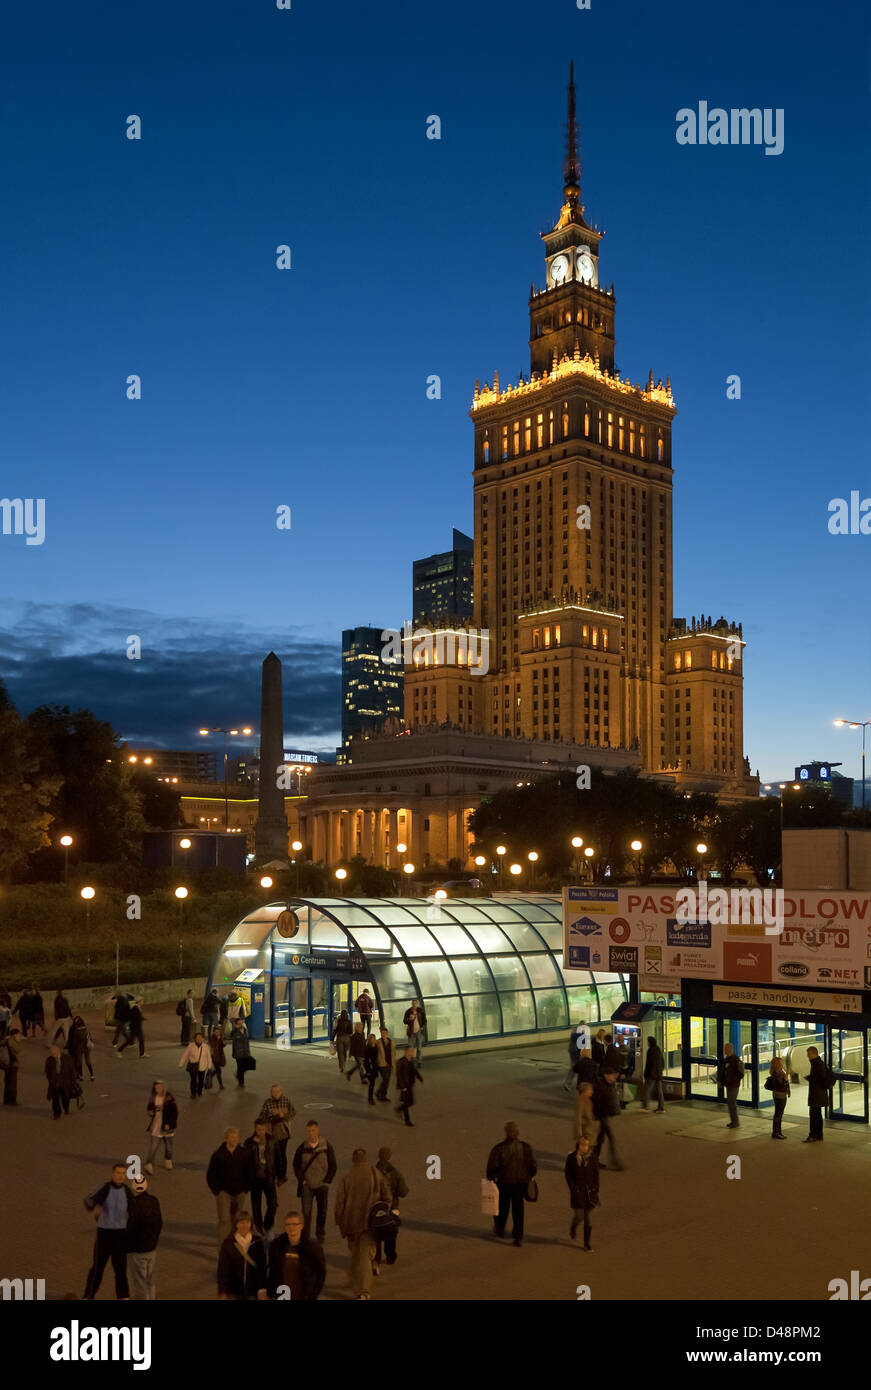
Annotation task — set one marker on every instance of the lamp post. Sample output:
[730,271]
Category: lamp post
[65,841]
[266,881]
[228,733]
[701,850]
[401,848]
[532,856]
[515,869]
[296,847]
[577,842]
[501,851]
[408,870]
[636,846]
[88,894]
[181,893]
[341,875]
[589,852]
[863,725]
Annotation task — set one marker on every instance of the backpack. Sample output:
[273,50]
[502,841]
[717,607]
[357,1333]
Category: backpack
[381,1221]
[830,1078]
[740,1068]
[180,1009]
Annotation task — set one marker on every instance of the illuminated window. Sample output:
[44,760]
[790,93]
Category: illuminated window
[550,427]
[642,441]
[586,633]
[605,638]
[547,636]
[539,431]
[516,438]
[610,430]
[677,659]
[620,433]
[505,441]
[486,449]
[565,419]
[527,433]
[659,445]
[536,638]
[688,664]
[556,635]
[632,436]
[595,637]
[587,421]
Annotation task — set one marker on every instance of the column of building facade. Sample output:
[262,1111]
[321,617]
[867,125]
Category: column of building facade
[394,835]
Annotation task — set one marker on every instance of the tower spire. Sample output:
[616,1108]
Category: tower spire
[572,163]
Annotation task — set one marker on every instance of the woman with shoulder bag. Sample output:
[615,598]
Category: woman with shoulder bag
[778,1084]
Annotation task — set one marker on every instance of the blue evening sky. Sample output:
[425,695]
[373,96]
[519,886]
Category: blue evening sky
[410,257]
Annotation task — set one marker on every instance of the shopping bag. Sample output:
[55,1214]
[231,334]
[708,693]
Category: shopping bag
[489,1198]
[332,1049]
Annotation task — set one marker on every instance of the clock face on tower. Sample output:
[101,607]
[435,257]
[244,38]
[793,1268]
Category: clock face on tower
[585,267]
[559,268]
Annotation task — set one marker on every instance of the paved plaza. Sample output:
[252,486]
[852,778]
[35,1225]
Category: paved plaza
[672,1226]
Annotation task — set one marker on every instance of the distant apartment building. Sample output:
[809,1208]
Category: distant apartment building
[372,691]
[442,584]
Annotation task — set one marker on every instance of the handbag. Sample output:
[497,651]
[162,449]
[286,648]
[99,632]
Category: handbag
[249,1063]
[531,1193]
[489,1198]
[769,1084]
[210,1076]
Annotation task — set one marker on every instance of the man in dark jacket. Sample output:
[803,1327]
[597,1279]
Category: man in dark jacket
[314,1165]
[598,1046]
[385,1063]
[144,1224]
[229,1179]
[110,1205]
[654,1064]
[586,1069]
[415,1026]
[571,1080]
[241,1047]
[242,1262]
[261,1147]
[729,1076]
[297,1268]
[606,1104]
[122,1016]
[819,1084]
[406,1075]
[512,1167]
[357,1049]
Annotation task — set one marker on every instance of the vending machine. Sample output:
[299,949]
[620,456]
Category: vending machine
[250,985]
[631,1026]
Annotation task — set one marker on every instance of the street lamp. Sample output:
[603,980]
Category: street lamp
[65,841]
[588,854]
[409,870]
[228,733]
[341,875]
[181,893]
[515,869]
[701,849]
[863,725]
[636,846]
[501,851]
[296,847]
[266,881]
[532,856]
[88,894]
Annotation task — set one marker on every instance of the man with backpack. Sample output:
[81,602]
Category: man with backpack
[729,1076]
[314,1167]
[820,1081]
[362,1195]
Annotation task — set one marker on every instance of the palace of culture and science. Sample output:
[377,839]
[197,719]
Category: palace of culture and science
[573,586]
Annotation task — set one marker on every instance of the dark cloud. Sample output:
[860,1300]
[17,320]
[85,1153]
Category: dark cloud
[191,672]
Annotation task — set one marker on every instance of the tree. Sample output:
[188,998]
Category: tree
[96,801]
[161,805]
[760,839]
[26,794]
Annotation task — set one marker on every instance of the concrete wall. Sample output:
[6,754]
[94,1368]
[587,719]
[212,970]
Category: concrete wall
[152,992]
[821,859]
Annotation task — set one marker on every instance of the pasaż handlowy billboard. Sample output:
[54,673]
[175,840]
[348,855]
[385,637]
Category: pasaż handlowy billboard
[800,938]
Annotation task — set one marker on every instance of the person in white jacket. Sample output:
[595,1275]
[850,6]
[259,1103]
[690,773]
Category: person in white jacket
[197,1058]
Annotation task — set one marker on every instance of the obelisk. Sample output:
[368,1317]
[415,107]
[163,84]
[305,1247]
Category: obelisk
[270,832]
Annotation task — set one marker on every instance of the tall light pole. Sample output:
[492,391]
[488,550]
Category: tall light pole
[88,894]
[228,734]
[181,893]
[65,841]
[577,842]
[701,850]
[296,847]
[341,875]
[532,856]
[863,725]
[501,851]
[636,846]
[589,852]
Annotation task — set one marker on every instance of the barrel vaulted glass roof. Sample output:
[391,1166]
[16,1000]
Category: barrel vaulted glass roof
[481,966]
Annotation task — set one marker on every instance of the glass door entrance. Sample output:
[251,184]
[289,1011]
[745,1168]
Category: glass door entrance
[707,1039]
[847,1055]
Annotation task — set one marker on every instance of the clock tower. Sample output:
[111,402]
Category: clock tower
[571,311]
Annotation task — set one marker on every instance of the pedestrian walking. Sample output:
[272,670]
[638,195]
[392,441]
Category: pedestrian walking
[407,1074]
[654,1065]
[342,1030]
[23,1010]
[135,1033]
[398,1187]
[241,1049]
[37,1011]
[598,1047]
[276,1113]
[188,1017]
[62,1018]
[210,1011]
[357,1049]
[296,1265]
[571,1079]
[582,1177]
[777,1082]
[314,1166]
[10,1052]
[820,1081]
[585,1068]
[512,1167]
[121,1017]
[370,1065]
[357,1191]
[79,1046]
[110,1205]
[144,1224]
[414,1019]
[385,1061]
[62,1086]
[729,1075]
[5,1013]
[365,1006]
[216,1049]
[586,1123]
[261,1147]
[606,1104]
[162,1124]
[229,1180]
[197,1057]
[242,1273]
